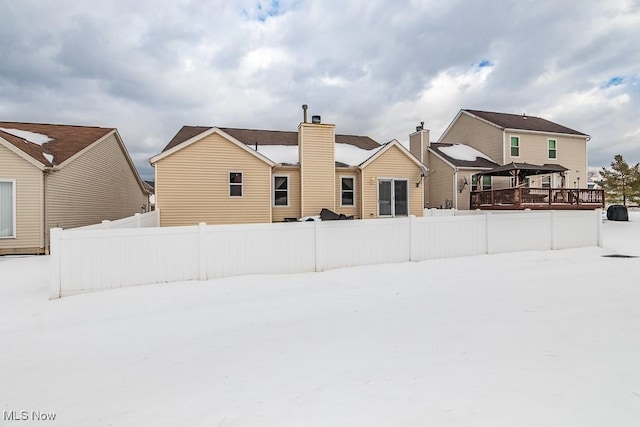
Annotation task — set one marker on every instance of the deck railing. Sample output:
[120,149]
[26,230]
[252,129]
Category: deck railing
[538,198]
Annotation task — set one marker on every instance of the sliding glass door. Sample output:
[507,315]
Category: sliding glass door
[393,197]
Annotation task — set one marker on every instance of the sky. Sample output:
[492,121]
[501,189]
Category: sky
[370,67]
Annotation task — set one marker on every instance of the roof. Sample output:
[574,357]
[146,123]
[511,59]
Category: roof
[523,122]
[251,137]
[525,169]
[51,144]
[462,156]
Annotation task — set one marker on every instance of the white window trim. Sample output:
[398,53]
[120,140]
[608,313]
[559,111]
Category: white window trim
[519,146]
[15,202]
[549,149]
[235,183]
[353,177]
[281,175]
[393,207]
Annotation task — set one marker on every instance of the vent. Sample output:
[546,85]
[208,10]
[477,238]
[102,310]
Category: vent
[315,119]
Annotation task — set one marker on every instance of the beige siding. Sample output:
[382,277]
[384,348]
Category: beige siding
[478,134]
[97,185]
[391,164]
[317,167]
[418,144]
[348,210]
[439,182]
[463,195]
[571,153]
[29,204]
[293,210]
[192,185]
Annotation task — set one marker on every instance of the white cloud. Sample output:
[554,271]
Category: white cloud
[372,68]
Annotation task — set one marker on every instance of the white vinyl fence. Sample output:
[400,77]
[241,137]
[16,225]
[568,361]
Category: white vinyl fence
[95,259]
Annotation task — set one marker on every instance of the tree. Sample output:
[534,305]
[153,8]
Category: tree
[621,183]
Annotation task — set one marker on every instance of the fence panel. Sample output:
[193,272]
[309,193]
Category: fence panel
[448,237]
[372,241]
[513,232]
[234,250]
[103,259]
[576,229]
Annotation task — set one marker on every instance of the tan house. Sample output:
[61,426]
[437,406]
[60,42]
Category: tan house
[476,142]
[62,176]
[225,175]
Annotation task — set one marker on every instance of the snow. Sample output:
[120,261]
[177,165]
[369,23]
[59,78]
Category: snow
[352,155]
[463,152]
[282,154]
[48,157]
[344,153]
[530,338]
[36,138]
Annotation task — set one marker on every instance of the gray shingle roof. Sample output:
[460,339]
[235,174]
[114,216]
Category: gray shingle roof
[523,122]
[265,137]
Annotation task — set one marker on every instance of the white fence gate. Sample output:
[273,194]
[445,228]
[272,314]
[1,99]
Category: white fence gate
[95,259]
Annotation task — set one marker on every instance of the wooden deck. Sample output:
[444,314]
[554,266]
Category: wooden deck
[538,198]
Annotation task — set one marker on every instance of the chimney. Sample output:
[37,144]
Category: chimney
[304,113]
[419,142]
[316,154]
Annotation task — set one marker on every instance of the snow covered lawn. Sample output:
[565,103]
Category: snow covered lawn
[529,339]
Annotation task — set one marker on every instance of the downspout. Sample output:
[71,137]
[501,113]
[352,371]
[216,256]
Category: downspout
[504,146]
[455,189]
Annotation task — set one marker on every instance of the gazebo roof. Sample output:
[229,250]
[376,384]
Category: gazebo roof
[524,169]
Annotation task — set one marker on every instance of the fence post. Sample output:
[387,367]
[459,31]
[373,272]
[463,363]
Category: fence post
[487,218]
[599,226]
[54,253]
[412,250]
[553,230]
[137,218]
[315,245]
[202,249]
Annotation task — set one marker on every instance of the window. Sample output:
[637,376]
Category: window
[546,181]
[486,182]
[515,146]
[7,208]
[347,186]
[235,184]
[280,190]
[553,153]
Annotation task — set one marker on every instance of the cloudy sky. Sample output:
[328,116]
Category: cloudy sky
[373,68]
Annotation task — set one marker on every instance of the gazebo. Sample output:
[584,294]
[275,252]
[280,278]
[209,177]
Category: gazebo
[520,196]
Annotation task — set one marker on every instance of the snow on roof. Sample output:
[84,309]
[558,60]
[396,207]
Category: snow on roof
[36,138]
[282,154]
[463,152]
[344,153]
[48,157]
[352,155]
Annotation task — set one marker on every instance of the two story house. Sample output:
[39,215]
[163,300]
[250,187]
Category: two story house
[221,175]
[477,142]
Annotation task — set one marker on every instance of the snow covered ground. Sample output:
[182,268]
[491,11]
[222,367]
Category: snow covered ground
[528,339]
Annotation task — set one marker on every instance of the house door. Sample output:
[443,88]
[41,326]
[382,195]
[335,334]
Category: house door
[393,197]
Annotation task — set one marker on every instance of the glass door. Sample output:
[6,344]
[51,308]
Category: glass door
[385,197]
[393,197]
[401,198]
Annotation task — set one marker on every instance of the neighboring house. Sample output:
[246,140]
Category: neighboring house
[224,175]
[477,141]
[62,176]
